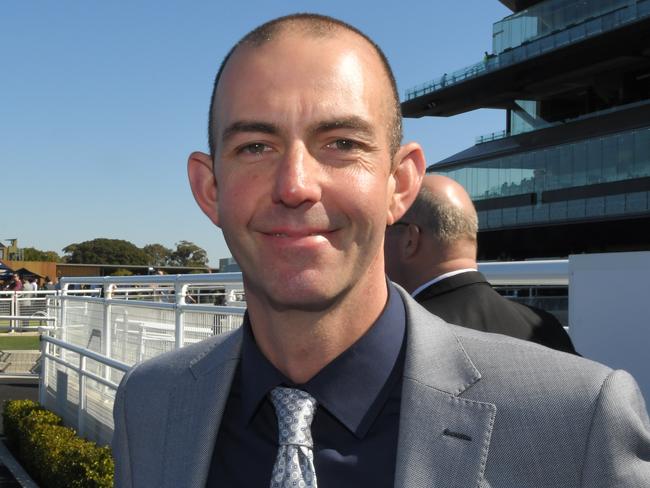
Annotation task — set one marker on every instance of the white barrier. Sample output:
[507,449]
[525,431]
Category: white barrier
[105,325]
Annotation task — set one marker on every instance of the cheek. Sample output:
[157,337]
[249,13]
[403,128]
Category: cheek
[236,196]
[237,188]
[370,195]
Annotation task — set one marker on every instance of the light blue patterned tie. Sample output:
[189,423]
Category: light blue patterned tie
[294,464]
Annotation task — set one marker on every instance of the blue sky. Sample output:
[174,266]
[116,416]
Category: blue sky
[102,102]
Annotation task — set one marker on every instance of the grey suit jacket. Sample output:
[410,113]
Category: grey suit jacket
[478,410]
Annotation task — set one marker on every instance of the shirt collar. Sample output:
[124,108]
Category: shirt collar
[353,386]
[440,278]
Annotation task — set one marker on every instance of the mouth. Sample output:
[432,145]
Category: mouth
[297,234]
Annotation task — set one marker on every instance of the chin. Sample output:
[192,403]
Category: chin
[294,293]
[301,298]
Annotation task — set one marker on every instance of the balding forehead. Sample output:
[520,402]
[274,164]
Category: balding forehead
[315,26]
[246,53]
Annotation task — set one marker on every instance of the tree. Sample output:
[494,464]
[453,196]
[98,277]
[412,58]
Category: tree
[158,254]
[189,254]
[105,251]
[121,272]
[33,254]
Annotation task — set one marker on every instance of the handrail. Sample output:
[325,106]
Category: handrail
[113,363]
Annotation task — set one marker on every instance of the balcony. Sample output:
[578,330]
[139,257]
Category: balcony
[628,12]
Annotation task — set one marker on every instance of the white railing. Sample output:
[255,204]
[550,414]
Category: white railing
[26,310]
[94,390]
[103,329]
[102,326]
[106,325]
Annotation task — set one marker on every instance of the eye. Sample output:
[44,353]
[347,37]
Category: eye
[343,145]
[255,148]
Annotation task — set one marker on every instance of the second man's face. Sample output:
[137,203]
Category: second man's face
[303,167]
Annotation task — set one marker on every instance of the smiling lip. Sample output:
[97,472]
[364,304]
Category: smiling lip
[296,234]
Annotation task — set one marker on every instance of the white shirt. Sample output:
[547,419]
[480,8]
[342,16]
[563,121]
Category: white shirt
[440,278]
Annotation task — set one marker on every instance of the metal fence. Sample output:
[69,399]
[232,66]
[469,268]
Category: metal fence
[26,310]
[103,326]
[106,325]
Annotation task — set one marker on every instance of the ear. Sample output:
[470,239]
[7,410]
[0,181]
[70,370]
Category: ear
[409,165]
[203,184]
[412,242]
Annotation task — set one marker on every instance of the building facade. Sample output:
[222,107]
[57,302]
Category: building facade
[571,171]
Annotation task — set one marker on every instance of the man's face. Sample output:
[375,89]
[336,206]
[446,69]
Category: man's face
[303,167]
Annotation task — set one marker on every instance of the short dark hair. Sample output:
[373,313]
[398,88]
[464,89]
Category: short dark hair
[447,223]
[315,25]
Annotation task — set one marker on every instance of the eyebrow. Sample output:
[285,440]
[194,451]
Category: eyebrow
[248,126]
[353,122]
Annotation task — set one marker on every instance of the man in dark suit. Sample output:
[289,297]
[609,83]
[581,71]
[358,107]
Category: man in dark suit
[431,252]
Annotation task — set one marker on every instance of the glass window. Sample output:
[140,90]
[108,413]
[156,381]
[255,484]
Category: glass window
[482,220]
[539,172]
[594,161]
[614,204]
[509,216]
[610,159]
[641,153]
[566,166]
[494,218]
[473,178]
[541,213]
[516,175]
[576,209]
[579,174]
[504,176]
[624,161]
[558,211]
[637,202]
[493,178]
[595,207]
[525,214]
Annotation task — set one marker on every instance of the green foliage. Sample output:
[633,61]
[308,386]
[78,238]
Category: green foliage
[116,251]
[33,254]
[189,254]
[105,251]
[14,411]
[158,254]
[121,272]
[53,455]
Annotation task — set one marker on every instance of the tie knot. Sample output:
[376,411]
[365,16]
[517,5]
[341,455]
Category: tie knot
[295,411]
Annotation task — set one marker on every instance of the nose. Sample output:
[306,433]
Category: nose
[297,178]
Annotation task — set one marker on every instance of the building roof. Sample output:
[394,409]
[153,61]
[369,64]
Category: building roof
[518,5]
[529,72]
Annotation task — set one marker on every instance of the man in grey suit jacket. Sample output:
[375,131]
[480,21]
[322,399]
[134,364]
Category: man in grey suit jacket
[306,170]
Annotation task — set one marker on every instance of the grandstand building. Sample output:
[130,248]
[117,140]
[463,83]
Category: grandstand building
[571,171]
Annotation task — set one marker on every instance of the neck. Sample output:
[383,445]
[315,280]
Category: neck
[301,342]
[444,261]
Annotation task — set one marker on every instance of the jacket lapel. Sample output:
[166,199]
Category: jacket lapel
[196,408]
[444,438]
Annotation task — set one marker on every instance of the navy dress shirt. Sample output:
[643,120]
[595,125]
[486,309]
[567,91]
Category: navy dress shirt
[356,424]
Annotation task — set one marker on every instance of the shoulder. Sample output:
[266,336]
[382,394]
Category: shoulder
[168,369]
[500,359]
